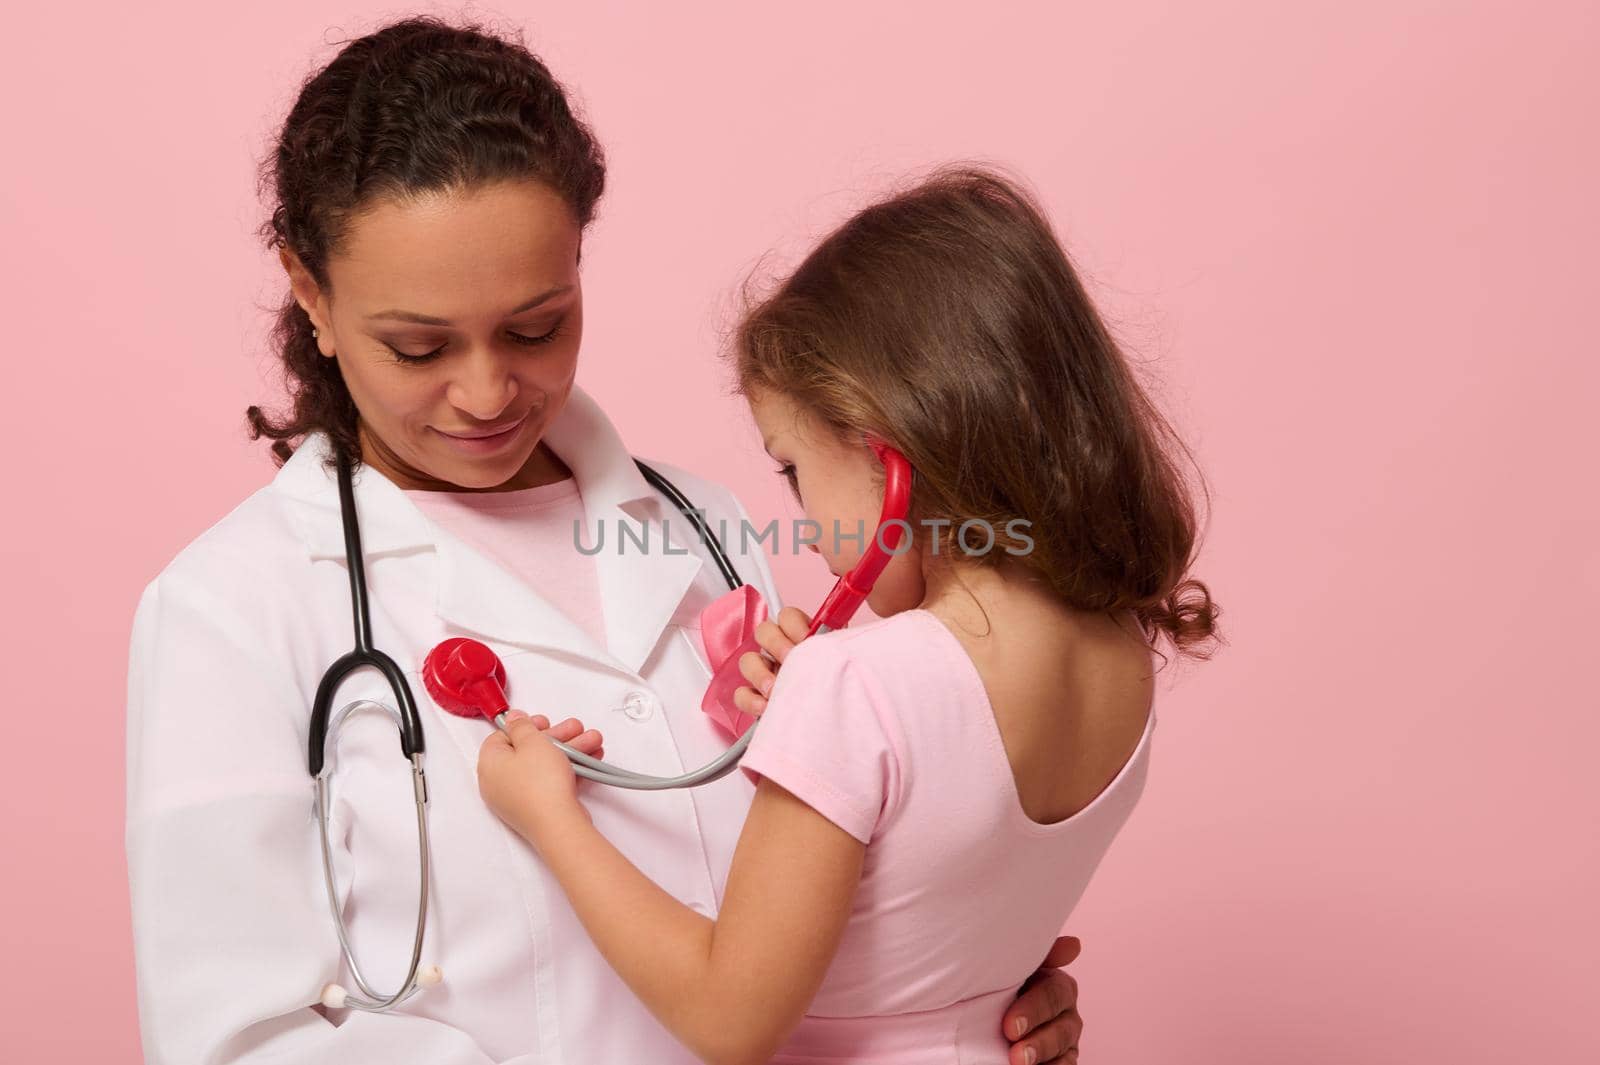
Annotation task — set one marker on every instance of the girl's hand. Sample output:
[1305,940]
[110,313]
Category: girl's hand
[777,639]
[526,780]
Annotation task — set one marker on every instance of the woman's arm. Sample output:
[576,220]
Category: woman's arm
[731,989]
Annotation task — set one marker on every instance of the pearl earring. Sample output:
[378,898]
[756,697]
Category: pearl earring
[314,333]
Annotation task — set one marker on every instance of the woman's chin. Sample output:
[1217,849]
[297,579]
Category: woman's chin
[477,474]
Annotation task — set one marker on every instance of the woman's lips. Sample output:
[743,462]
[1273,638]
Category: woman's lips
[480,442]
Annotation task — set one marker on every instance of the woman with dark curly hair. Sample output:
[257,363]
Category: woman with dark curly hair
[431,187]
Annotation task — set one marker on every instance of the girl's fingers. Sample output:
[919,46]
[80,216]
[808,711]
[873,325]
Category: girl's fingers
[757,671]
[747,700]
[570,732]
[567,730]
[521,726]
[773,640]
[589,742]
[794,623]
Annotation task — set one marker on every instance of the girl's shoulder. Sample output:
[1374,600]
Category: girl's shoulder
[907,628]
[907,664]
[883,647]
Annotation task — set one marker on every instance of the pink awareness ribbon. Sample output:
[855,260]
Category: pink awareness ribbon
[727,629]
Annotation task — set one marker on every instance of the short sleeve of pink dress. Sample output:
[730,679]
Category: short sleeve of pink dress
[823,738]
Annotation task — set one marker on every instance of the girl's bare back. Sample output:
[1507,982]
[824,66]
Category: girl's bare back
[1070,690]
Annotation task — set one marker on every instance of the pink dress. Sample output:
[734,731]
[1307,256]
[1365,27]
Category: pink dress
[886,730]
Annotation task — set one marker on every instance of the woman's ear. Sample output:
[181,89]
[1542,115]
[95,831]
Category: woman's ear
[308,294]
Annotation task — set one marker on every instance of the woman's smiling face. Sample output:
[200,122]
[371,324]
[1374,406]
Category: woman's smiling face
[456,318]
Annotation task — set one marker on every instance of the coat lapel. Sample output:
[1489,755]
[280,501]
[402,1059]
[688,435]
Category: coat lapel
[640,589]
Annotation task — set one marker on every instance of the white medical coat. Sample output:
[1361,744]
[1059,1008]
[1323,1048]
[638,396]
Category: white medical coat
[232,935]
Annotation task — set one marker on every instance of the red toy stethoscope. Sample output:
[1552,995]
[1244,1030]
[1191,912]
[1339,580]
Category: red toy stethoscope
[466,678]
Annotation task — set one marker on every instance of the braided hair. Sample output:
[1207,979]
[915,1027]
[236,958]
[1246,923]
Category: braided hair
[418,106]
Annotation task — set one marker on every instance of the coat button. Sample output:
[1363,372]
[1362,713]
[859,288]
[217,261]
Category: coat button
[637,706]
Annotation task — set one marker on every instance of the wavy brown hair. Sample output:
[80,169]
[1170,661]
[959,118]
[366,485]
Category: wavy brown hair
[418,106]
[948,321]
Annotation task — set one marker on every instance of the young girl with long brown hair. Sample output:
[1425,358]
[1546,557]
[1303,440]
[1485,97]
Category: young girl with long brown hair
[922,776]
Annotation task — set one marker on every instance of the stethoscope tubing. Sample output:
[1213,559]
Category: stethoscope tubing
[602,772]
[376,1002]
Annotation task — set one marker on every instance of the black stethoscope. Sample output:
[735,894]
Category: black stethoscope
[451,667]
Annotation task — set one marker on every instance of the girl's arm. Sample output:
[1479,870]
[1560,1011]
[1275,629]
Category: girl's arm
[731,989]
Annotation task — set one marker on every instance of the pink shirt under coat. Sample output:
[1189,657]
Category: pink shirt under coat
[530,532]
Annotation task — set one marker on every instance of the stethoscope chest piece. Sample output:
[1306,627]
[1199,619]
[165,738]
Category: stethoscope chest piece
[465,678]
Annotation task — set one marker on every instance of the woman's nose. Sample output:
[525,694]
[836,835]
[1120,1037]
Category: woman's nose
[485,387]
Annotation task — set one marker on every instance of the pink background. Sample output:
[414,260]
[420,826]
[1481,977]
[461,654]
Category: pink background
[1355,246]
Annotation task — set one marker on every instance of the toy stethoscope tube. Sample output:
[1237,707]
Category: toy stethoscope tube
[850,591]
[595,769]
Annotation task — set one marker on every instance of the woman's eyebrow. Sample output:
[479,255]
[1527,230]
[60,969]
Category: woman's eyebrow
[428,319]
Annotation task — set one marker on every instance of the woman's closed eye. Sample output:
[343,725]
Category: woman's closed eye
[512,335]
[542,338]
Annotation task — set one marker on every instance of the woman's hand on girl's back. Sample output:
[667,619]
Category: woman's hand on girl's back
[1044,1019]
[777,638]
